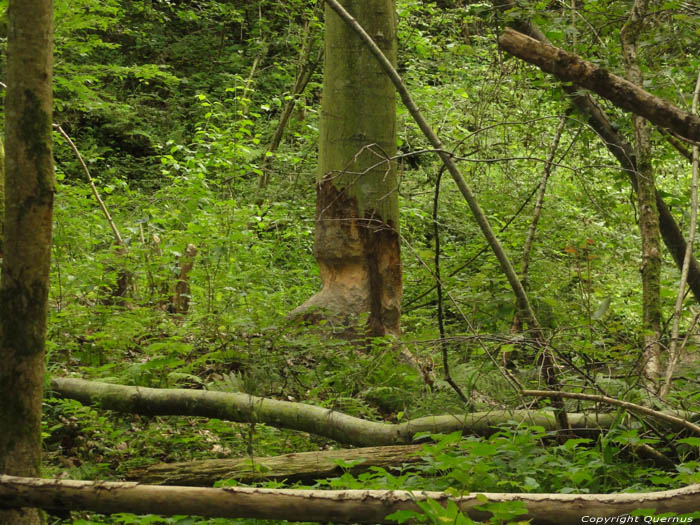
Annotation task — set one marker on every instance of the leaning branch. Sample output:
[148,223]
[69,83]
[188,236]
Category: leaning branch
[619,91]
[338,506]
[662,416]
[103,207]
[446,157]
[623,152]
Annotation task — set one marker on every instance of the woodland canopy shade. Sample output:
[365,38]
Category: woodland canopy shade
[197,124]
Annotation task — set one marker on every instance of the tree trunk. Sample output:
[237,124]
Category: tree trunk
[2,197]
[357,227]
[646,199]
[244,408]
[180,301]
[305,466]
[621,92]
[337,506]
[24,285]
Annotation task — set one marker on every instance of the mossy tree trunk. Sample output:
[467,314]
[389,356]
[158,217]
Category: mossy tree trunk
[2,196]
[29,193]
[357,227]
[646,198]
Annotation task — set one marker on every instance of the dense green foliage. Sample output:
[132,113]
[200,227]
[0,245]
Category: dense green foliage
[172,104]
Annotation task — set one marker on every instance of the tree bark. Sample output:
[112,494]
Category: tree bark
[621,92]
[357,228]
[337,506]
[24,285]
[243,408]
[2,196]
[648,215]
[624,153]
[305,466]
[387,65]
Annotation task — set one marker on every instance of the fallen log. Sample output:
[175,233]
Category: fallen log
[244,408]
[619,91]
[305,467]
[338,506]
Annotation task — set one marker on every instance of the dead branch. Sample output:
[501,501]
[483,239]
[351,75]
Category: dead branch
[663,416]
[619,91]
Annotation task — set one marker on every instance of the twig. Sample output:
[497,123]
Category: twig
[438,285]
[105,211]
[612,401]
[478,254]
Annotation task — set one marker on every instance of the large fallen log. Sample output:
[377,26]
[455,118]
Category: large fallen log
[303,466]
[619,91]
[244,408]
[338,506]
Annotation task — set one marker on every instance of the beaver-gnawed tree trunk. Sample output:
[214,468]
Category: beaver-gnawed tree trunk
[29,192]
[357,228]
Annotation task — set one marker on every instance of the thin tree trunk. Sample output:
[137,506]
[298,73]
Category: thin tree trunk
[24,285]
[674,351]
[357,228]
[516,325]
[648,214]
[180,301]
[307,66]
[621,92]
[537,212]
[337,506]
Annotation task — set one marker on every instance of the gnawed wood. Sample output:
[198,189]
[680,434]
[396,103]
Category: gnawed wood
[180,301]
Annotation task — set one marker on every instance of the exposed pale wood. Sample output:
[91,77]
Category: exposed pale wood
[549,371]
[303,466]
[181,297]
[337,506]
